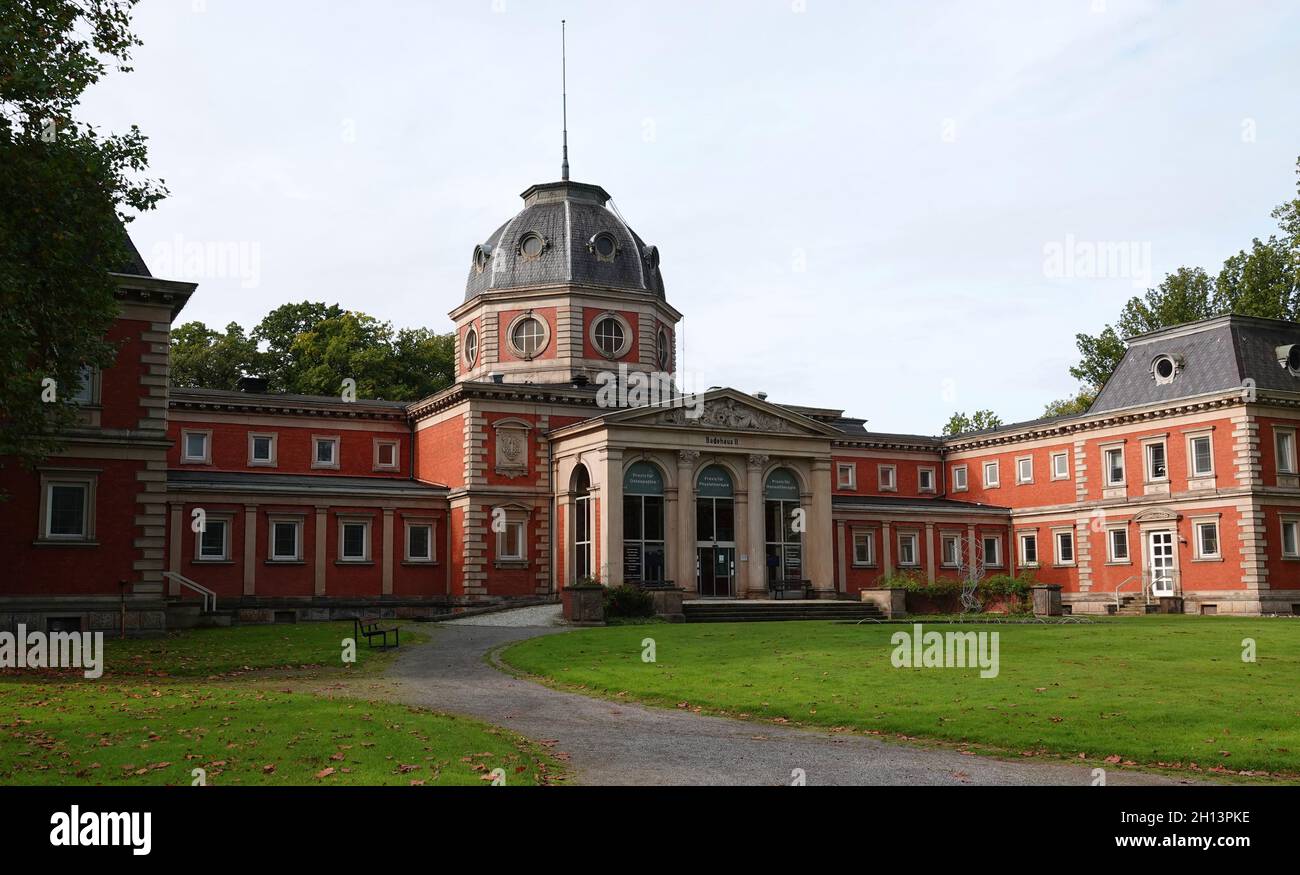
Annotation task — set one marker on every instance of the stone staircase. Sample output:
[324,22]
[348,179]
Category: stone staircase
[754,610]
[1130,606]
[189,614]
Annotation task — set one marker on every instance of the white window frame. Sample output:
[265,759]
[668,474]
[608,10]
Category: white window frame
[316,441]
[892,485]
[843,482]
[996,481]
[1294,523]
[225,520]
[964,479]
[1111,557]
[1148,470]
[1106,468]
[921,473]
[396,464]
[1021,477]
[1285,462]
[84,479]
[90,386]
[279,519]
[273,460]
[865,538]
[1057,535]
[367,525]
[914,539]
[1061,475]
[521,526]
[1194,472]
[1021,539]
[998,561]
[186,457]
[1198,524]
[946,538]
[420,523]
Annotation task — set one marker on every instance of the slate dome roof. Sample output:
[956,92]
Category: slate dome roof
[564,235]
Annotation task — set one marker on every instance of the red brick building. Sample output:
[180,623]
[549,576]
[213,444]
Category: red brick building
[528,474]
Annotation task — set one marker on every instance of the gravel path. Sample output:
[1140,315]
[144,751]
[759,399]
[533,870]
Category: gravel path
[539,615]
[617,743]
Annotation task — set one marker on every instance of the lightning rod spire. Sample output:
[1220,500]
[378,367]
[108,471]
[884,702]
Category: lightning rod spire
[564,98]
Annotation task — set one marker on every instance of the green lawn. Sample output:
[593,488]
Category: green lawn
[221,700]
[1155,691]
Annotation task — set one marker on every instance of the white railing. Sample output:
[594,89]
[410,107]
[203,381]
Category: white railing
[207,594]
[1125,582]
[1168,576]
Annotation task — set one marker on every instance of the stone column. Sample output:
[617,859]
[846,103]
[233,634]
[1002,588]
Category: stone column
[611,515]
[886,550]
[685,552]
[175,546]
[757,535]
[929,552]
[387,573]
[321,538]
[670,534]
[564,528]
[840,558]
[818,540]
[250,549]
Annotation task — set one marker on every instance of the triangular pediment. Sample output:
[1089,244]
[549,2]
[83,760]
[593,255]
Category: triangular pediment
[723,410]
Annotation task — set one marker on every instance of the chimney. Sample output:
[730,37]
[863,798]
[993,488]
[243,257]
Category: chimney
[252,384]
[761,396]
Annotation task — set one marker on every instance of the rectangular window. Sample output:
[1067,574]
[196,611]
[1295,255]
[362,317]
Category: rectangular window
[354,540]
[419,542]
[66,517]
[1202,454]
[959,478]
[214,541]
[888,478]
[847,476]
[991,475]
[1028,548]
[1025,470]
[950,550]
[386,455]
[1207,540]
[1291,539]
[992,551]
[864,548]
[1117,543]
[1285,441]
[325,452]
[196,446]
[925,479]
[510,542]
[261,449]
[1114,465]
[84,394]
[1064,548]
[1060,466]
[1156,467]
[286,540]
[907,548]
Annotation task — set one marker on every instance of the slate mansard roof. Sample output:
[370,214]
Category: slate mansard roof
[568,216]
[1215,355]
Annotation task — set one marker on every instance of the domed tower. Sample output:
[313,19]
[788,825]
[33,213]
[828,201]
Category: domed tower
[561,292]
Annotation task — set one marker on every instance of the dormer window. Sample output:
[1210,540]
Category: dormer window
[603,246]
[1165,368]
[481,256]
[652,257]
[1288,356]
[532,245]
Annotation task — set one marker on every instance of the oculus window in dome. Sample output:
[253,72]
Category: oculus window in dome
[604,246]
[481,256]
[532,245]
[1165,368]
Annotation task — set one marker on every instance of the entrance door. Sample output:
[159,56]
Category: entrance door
[716,570]
[1160,556]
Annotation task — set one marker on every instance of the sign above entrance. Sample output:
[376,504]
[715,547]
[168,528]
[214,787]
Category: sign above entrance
[714,482]
[781,486]
[643,479]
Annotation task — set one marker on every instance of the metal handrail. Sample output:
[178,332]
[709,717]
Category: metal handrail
[1125,582]
[202,590]
[1170,574]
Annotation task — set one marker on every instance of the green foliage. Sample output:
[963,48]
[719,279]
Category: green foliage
[310,348]
[628,601]
[960,423]
[65,193]
[1070,406]
[994,585]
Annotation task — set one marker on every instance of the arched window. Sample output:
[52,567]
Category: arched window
[783,533]
[715,532]
[581,523]
[643,523]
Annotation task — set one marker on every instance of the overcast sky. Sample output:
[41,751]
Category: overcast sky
[880,207]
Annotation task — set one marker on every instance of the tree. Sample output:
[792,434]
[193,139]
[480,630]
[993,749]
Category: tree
[276,334]
[205,358]
[1070,406]
[1263,282]
[65,193]
[959,422]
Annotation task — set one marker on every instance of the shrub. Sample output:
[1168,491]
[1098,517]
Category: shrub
[628,601]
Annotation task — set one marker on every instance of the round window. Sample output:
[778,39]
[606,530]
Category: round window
[481,256]
[605,246]
[471,347]
[528,336]
[1293,359]
[1164,368]
[652,257]
[663,350]
[532,245]
[609,337]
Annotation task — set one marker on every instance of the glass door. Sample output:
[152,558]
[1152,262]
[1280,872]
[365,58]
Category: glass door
[1160,555]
